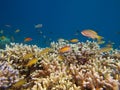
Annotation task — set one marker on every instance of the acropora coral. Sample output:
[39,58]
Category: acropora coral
[8,75]
[84,67]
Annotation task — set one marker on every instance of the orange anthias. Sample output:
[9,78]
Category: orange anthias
[65,49]
[27,39]
[74,40]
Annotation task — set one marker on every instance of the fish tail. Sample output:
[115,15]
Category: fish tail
[99,38]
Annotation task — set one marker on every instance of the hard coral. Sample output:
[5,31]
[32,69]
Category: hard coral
[81,68]
[8,75]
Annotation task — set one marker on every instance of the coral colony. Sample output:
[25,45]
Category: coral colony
[62,66]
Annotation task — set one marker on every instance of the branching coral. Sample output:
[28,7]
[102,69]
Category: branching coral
[8,75]
[84,67]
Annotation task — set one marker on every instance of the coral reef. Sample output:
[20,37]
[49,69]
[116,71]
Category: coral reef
[8,75]
[84,67]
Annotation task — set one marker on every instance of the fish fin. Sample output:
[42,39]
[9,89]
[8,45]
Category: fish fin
[99,38]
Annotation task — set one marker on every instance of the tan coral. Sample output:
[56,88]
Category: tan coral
[81,68]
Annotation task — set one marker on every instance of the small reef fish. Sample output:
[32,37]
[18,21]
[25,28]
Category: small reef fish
[65,49]
[27,39]
[27,56]
[1,31]
[105,49]
[19,83]
[100,42]
[2,38]
[110,44]
[31,62]
[74,40]
[7,25]
[91,34]
[38,26]
[17,30]
[46,50]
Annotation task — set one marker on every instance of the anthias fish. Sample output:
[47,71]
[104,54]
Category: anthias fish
[105,49]
[91,34]
[46,50]
[65,49]
[17,30]
[74,40]
[27,39]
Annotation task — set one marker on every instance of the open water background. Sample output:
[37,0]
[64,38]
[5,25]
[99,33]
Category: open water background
[60,19]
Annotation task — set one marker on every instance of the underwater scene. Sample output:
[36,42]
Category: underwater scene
[60,45]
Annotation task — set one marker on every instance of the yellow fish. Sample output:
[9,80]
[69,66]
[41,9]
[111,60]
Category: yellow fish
[46,50]
[74,40]
[110,44]
[101,42]
[17,30]
[2,38]
[105,49]
[19,83]
[27,56]
[31,62]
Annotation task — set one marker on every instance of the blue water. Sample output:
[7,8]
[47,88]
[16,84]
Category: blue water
[60,19]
